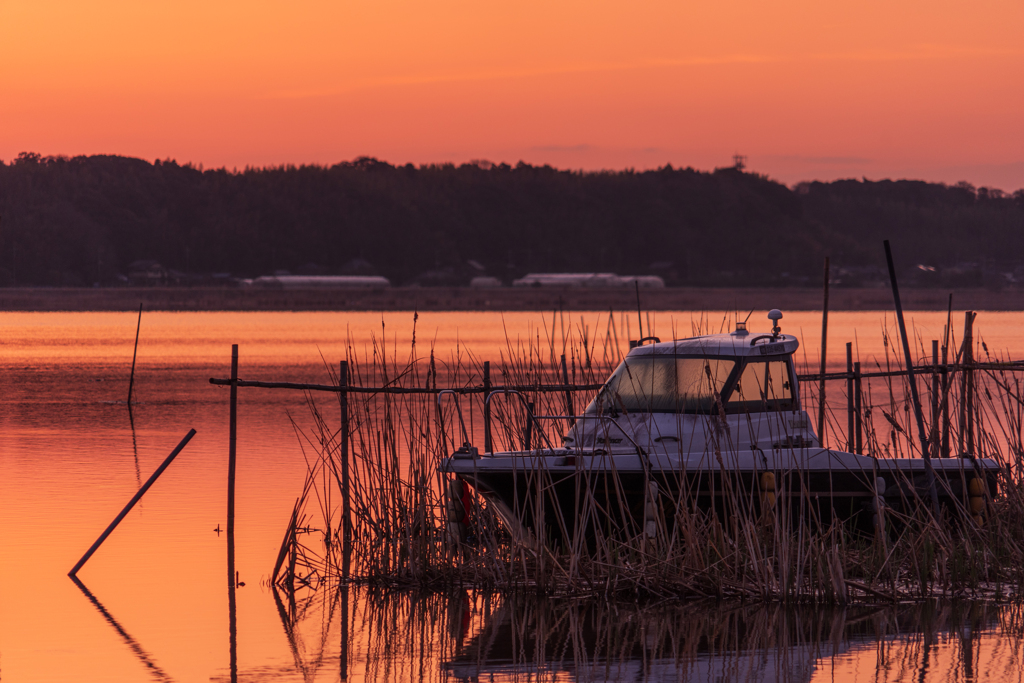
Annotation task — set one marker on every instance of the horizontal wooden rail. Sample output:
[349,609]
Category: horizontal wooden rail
[1015,366]
[402,390]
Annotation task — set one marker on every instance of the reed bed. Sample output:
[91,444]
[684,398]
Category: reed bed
[402,513]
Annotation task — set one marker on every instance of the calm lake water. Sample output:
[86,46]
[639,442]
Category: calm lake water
[157,609]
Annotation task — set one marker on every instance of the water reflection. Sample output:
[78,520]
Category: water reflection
[459,635]
[133,645]
[538,640]
[310,650]
[466,635]
[65,442]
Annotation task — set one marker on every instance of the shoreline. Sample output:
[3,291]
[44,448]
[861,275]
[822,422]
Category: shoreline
[503,299]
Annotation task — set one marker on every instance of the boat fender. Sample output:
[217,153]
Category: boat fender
[458,501]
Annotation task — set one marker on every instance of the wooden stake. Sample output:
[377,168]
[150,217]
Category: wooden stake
[569,409]
[232,438]
[131,503]
[933,434]
[849,398]
[967,401]
[824,344]
[487,406]
[135,353]
[909,362]
[945,386]
[639,317]
[857,408]
[346,501]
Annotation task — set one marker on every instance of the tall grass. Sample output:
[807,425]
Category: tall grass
[402,530]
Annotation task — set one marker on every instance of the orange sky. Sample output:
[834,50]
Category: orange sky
[931,90]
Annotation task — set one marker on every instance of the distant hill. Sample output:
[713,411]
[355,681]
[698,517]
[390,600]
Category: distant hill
[76,221]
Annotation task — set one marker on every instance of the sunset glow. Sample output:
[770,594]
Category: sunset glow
[805,90]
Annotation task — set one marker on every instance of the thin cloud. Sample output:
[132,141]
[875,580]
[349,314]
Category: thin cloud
[562,148]
[914,53]
[828,160]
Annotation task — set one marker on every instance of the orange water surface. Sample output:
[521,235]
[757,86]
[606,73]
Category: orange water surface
[70,459]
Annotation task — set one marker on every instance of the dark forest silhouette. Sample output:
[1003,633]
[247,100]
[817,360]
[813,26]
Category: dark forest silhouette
[76,221]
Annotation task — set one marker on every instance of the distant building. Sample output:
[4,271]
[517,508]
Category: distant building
[644,281]
[589,280]
[484,282]
[319,282]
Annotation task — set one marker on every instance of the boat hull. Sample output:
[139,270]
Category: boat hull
[585,496]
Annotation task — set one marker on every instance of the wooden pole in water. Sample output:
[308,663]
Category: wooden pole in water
[824,344]
[569,409]
[909,362]
[945,382]
[131,503]
[232,581]
[933,434]
[487,406]
[967,422]
[135,353]
[346,502]
[850,442]
[639,316]
[858,424]
[346,518]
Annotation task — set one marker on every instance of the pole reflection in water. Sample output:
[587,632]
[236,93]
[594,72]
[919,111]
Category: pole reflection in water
[133,645]
[135,446]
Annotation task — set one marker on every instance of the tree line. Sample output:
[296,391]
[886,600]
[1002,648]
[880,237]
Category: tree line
[85,220]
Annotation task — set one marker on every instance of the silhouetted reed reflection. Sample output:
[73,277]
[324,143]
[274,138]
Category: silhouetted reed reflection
[529,639]
[474,636]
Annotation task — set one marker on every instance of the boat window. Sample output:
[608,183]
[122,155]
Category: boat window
[663,384]
[763,386]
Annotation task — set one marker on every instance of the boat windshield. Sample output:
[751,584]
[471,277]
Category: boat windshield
[763,386]
[661,384]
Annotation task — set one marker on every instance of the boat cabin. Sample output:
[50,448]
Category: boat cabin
[677,395]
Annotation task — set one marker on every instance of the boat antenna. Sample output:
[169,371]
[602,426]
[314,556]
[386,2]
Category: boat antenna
[639,317]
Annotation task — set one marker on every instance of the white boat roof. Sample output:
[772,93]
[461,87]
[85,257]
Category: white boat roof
[732,344]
